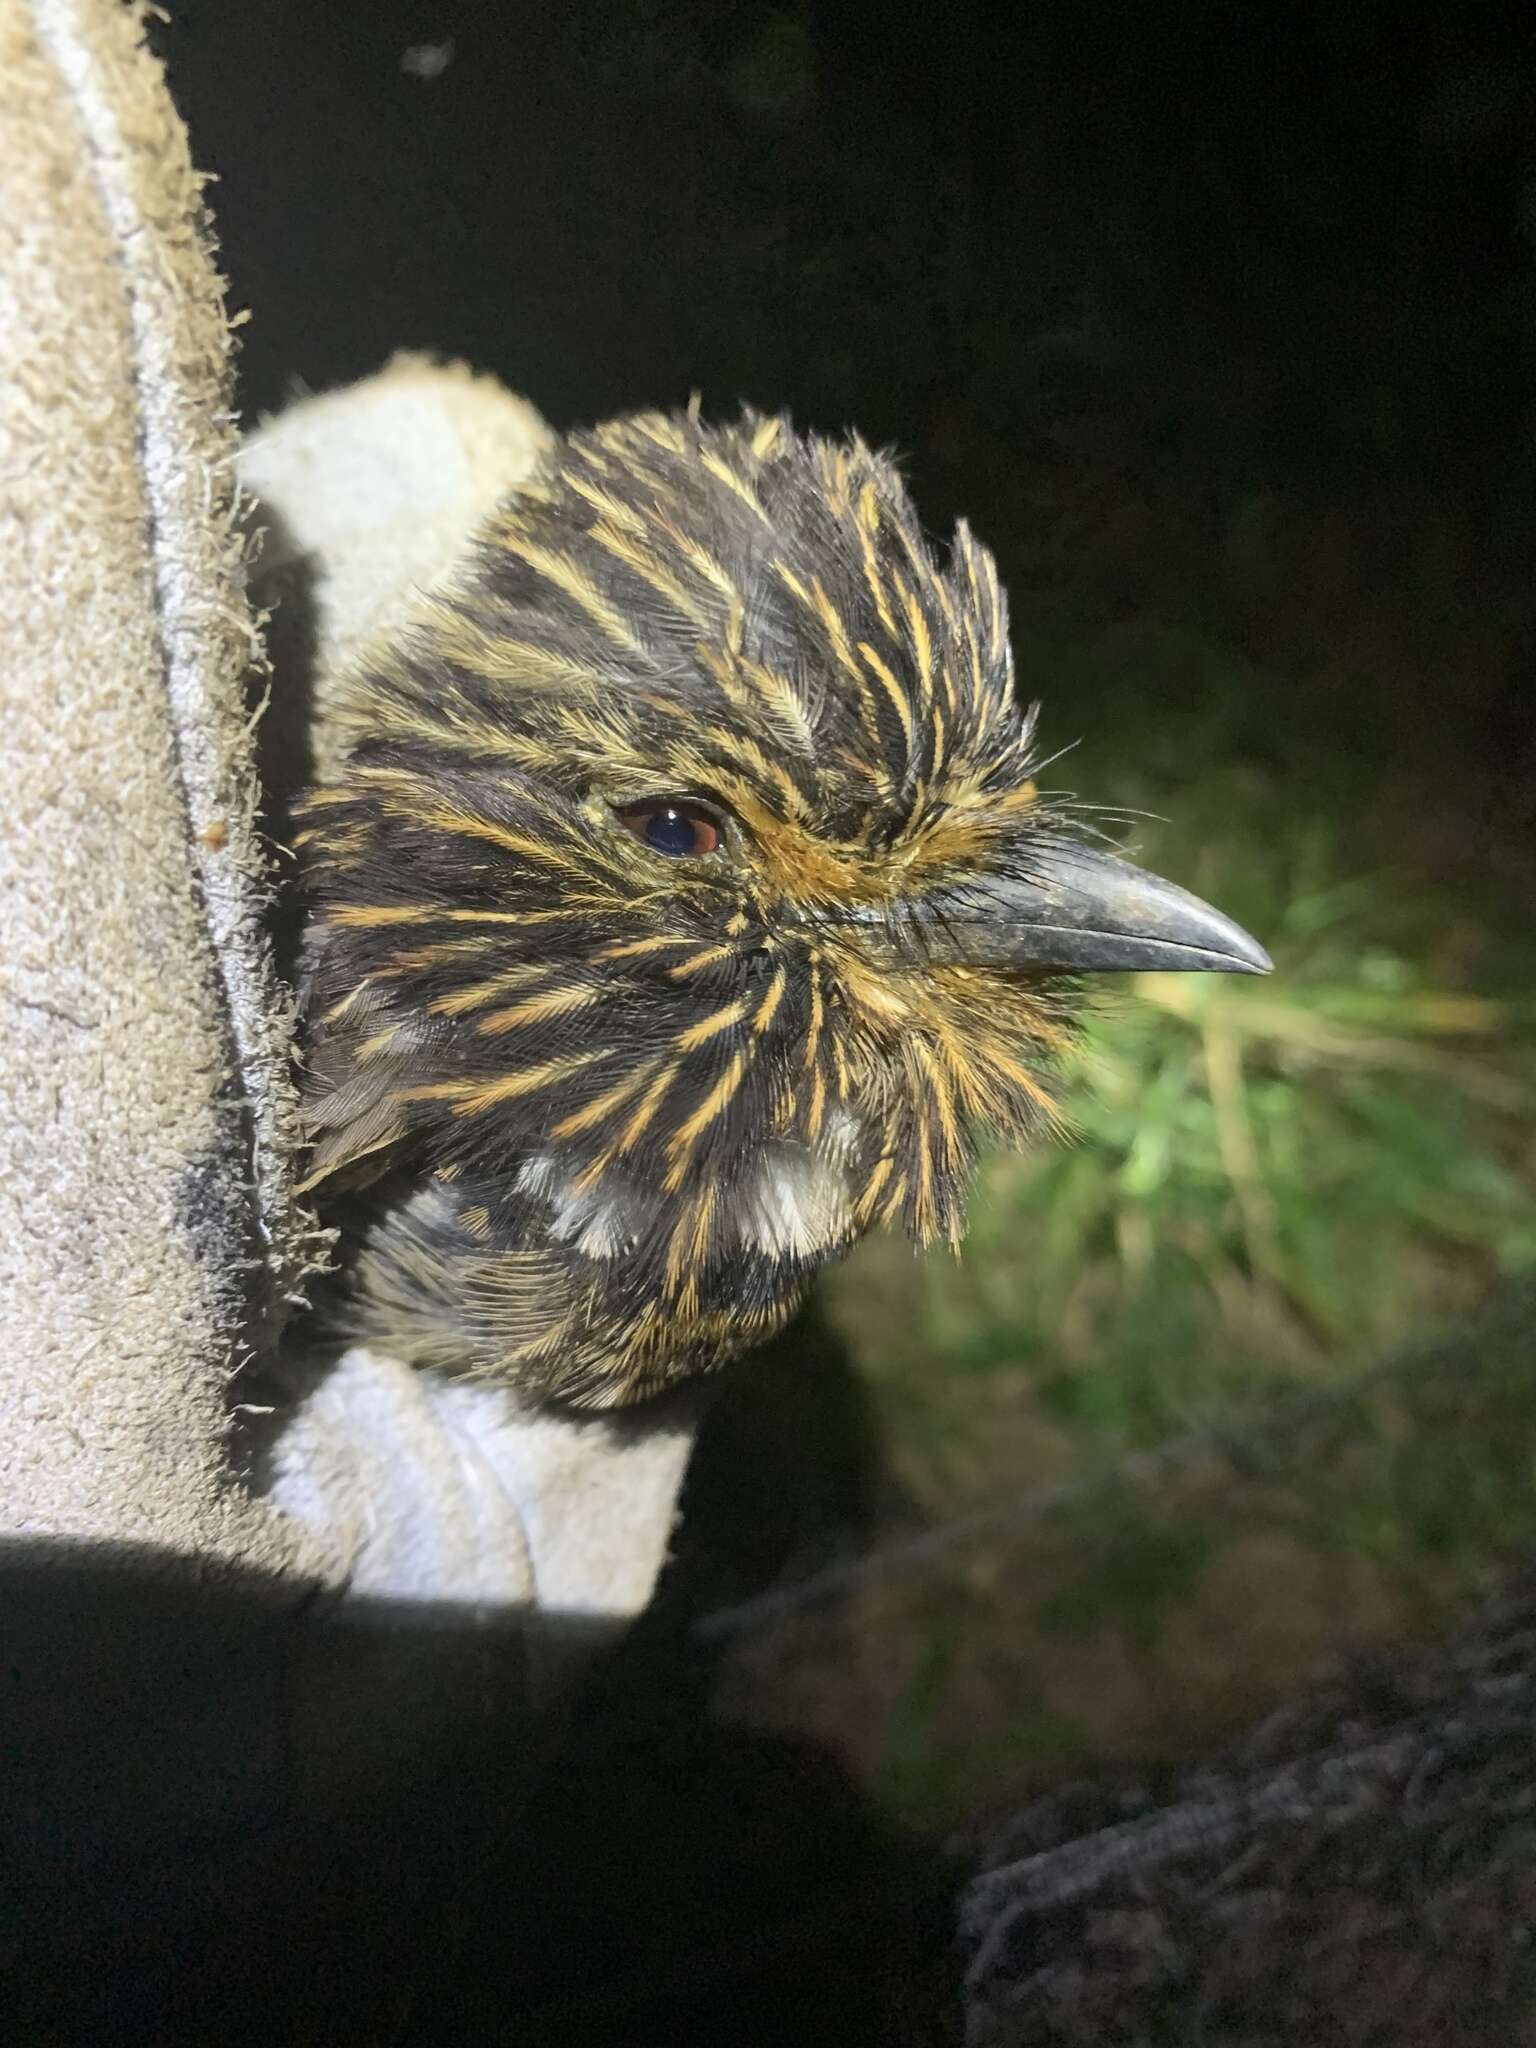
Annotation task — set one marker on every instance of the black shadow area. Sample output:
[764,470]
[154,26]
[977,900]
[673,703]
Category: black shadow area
[236,1814]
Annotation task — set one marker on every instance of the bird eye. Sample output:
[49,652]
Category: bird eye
[681,830]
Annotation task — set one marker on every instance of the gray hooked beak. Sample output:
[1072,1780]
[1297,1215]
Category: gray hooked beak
[1089,913]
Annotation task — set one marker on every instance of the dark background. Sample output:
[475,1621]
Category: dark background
[1207,252]
[1290,241]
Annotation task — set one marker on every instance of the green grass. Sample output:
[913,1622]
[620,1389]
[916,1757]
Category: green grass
[1268,1180]
[1272,1187]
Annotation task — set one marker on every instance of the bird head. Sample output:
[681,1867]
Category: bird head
[686,906]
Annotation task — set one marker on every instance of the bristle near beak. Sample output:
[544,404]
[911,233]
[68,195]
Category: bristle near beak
[1086,912]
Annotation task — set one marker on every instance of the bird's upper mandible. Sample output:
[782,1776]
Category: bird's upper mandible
[686,906]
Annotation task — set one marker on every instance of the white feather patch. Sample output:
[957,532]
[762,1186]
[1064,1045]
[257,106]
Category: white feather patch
[599,1225]
[796,1204]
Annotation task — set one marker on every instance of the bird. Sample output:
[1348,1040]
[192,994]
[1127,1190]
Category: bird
[685,905]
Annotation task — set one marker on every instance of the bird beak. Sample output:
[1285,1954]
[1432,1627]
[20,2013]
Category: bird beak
[1088,913]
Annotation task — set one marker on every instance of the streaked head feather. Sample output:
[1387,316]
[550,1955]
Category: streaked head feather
[664,1091]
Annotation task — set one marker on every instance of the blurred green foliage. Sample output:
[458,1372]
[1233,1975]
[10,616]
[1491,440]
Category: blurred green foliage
[1231,1319]
[1266,1173]
[1268,1179]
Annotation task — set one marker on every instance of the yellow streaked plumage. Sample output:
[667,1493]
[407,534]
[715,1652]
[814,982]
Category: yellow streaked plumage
[644,968]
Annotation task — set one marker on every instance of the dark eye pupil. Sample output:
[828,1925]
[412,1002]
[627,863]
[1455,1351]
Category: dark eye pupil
[680,830]
[672,831]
